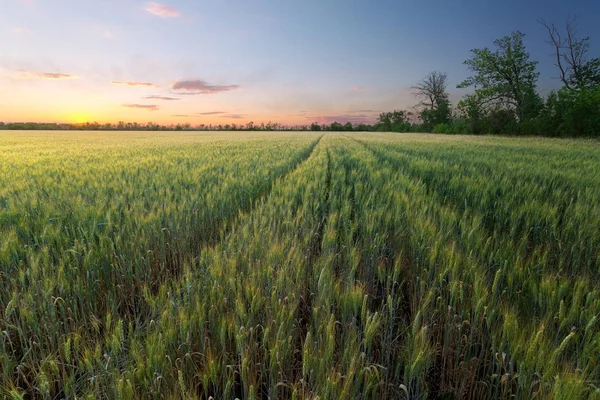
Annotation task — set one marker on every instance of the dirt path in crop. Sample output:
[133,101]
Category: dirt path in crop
[226,225]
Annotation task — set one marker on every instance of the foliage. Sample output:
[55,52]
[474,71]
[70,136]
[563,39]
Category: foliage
[571,113]
[394,121]
[505,76]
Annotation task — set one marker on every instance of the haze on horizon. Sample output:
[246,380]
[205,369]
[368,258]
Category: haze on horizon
[213,62]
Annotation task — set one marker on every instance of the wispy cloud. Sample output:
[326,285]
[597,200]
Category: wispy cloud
[46,75]
[364,111]
[211,113]
[145,84]
[233,116]
[161,10]
[181,115]
[148,107]
[198,86]
[359,88]
[160,98]
[22,30]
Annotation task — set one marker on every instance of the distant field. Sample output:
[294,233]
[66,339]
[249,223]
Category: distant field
[298,265]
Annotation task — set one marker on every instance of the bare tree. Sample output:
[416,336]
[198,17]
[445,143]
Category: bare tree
[432,90]
[576,71]
[434,104]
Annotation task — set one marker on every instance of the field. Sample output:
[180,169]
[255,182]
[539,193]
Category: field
[298,265]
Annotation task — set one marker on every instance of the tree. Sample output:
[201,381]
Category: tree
[336,126]
[393,121]
[470,107]
[505,77]
[315,127]
[576,71]
[434,98]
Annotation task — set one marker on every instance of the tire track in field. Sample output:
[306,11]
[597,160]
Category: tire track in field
[315,249]
[227,224]
[176,257]
[449,207]
[225,227]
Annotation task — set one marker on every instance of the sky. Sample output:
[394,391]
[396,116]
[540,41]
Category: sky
[235,61]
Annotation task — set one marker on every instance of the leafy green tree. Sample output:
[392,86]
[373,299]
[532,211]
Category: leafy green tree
[336,126]
[315,127]
[571,113]
[393,121]
[505,77]
[471,108]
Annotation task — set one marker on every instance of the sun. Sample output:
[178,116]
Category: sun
[78,117]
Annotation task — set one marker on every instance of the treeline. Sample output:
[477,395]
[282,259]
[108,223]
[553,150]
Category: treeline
[151,126]
[505,97]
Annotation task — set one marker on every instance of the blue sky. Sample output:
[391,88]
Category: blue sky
[219,62]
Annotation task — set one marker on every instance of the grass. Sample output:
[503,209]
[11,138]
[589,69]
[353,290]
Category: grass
[286,265]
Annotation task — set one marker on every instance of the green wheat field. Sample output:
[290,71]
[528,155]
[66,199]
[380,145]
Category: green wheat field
[298,265]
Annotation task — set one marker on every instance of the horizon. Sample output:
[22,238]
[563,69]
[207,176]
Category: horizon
[182,62]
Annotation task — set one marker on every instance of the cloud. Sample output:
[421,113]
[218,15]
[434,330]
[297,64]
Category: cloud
[197,86]
[161,98]
[22,30]
[233,116]
[161,10]
[181,115]
[107,33]
[132,83]
[211,113]
[149,107]
[359,88]
[46,75]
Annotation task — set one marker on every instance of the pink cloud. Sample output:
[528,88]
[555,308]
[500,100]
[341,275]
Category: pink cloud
[160,98]
[161,10]
[148,107]
[201,87]
[21,30]
[46,75]
[134,83]
[359,88]
[212,113]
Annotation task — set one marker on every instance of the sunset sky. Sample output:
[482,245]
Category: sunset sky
[219,62]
